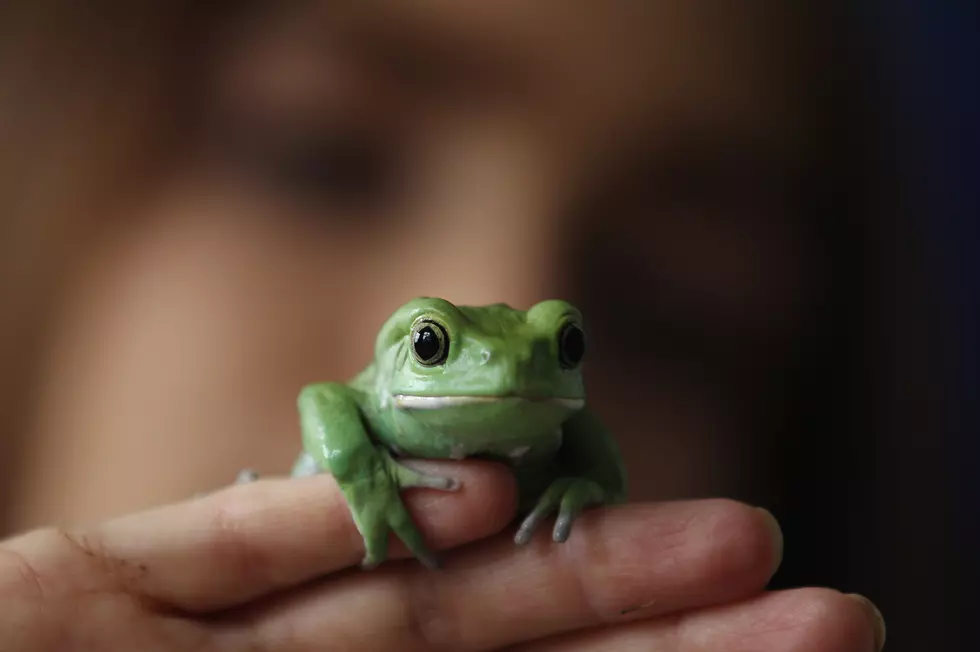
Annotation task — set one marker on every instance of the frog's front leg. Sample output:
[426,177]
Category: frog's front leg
[335,438]
[589,472]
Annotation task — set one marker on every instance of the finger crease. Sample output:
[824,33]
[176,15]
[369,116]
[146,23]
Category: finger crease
[426,619]
[581,585]
[95,556]
[27,572]
[118,574]
[232,548]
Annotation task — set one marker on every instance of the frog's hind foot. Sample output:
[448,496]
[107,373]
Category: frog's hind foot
[245,476]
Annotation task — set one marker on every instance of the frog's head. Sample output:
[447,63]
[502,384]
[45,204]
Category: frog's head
[431,354]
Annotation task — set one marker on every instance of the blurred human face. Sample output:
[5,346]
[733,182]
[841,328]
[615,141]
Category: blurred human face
[629,158]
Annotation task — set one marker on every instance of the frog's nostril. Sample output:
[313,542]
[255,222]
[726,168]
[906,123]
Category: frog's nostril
[485,355]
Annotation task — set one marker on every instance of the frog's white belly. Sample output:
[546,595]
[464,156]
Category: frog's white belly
[413,402]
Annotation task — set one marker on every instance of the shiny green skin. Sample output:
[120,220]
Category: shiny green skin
[562,457]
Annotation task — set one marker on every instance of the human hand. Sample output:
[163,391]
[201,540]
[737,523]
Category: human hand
[272,566]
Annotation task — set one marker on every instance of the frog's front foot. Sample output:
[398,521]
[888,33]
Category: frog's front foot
[377,507]
[569,496]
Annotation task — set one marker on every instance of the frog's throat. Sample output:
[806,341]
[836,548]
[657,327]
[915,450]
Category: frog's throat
[414,402]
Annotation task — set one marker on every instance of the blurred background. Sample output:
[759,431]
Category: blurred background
[766,212]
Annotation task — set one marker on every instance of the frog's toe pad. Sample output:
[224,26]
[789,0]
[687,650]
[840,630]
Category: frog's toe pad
[526,531]
[370,564]
[446,483]
[563,527]
[246,476]
[430,560]
[412,478]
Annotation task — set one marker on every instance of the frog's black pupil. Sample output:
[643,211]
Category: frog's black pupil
[572,345]
[428,344]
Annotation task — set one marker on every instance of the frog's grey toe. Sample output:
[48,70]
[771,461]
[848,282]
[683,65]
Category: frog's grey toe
[245,476]
[409,477]
[563,526]
[430,560]
[369,563]
[526,531]
[442,482]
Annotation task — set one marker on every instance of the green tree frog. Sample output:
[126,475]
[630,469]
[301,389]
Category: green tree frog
[450,382]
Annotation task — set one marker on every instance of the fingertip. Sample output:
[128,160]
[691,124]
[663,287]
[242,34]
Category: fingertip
[743,546]
[877,620]
[842,621]
[776,539]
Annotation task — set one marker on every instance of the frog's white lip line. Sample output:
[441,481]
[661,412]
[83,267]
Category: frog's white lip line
[411,402]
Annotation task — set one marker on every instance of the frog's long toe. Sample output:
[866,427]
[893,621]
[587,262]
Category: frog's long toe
[370,563]
[580,494]
[529,526]
[408,477]
[563,526]
[546,505]
[430,560]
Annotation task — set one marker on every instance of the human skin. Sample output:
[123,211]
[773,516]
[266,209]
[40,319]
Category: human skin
[189,330]
[271,566]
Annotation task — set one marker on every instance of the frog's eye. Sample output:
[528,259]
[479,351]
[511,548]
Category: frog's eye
[571,345]
[430,343]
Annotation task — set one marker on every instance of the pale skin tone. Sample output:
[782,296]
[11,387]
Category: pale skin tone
[264,566]
[202,382]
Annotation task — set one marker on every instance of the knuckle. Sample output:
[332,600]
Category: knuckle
[427,615]
[229,543]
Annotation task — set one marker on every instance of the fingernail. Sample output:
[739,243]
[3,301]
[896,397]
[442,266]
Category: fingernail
[876,618]
[776,534]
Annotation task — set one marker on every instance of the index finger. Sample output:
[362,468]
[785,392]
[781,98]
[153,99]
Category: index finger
[250,540]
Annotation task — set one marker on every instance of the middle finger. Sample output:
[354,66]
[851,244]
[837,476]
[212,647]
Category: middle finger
[625,563]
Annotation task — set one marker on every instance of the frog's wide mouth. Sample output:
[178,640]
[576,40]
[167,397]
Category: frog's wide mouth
[416,402]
